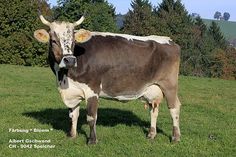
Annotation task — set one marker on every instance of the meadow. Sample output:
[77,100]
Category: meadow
[29,100]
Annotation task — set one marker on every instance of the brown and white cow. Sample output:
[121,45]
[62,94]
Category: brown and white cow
[89,65]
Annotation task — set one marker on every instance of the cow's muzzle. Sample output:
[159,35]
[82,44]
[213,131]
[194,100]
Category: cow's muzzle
[68,62]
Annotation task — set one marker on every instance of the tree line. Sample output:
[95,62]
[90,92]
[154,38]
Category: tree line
[205,51]
[225,16]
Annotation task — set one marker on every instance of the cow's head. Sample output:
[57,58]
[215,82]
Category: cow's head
[62,38]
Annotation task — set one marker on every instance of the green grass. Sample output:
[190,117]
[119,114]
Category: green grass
[29,99]
[227,27]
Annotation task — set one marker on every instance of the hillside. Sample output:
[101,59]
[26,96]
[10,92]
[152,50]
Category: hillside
[29,99]
[228,28]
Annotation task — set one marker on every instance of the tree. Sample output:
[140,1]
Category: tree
[218,37]
[99,14]
[139,20]
[226,16]
[224,64]
[67,10]
[203,46]
[173,20]
[195,15]
[101,17]
[203,50]
[217,15]
[201,25]
[18,20]
[222,56]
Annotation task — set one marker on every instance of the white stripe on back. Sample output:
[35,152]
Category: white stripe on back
[159,39]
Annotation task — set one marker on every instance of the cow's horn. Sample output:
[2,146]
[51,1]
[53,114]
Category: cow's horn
[44,21]
[79,21]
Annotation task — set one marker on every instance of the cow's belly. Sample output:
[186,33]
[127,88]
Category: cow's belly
[149,93]
[120,97]
[72,93]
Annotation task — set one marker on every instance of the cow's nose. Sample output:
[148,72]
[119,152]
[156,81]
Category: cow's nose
[70,61]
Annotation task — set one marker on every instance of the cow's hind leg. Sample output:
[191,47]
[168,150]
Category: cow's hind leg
[153,96]
[92,106]
[73,114]
[175,111]
[170,92]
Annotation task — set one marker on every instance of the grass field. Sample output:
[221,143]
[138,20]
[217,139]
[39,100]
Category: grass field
[29,99]
[227,28]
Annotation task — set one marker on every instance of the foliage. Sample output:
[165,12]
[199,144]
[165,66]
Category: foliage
[100,15]
[218,37]
[18,20]
[67,10]
[224,65]
[140,20]
[201,25]
[217,15]
[200,44]
[174,21]
[226,16]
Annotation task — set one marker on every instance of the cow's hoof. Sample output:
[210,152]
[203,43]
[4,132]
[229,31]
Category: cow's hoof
[175,135]
[151,133]
[175,139]
[92,142]
[71,135]
[151,136]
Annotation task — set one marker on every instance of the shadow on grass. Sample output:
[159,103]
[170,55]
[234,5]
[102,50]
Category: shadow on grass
[59,119]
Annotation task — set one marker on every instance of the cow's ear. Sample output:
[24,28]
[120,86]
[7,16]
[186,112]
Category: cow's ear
[41,35]
[82,36]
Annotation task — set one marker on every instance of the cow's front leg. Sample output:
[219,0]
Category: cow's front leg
[92,107]
[73,114]
[154,109]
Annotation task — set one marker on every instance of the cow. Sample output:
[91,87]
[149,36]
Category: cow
[89,65]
